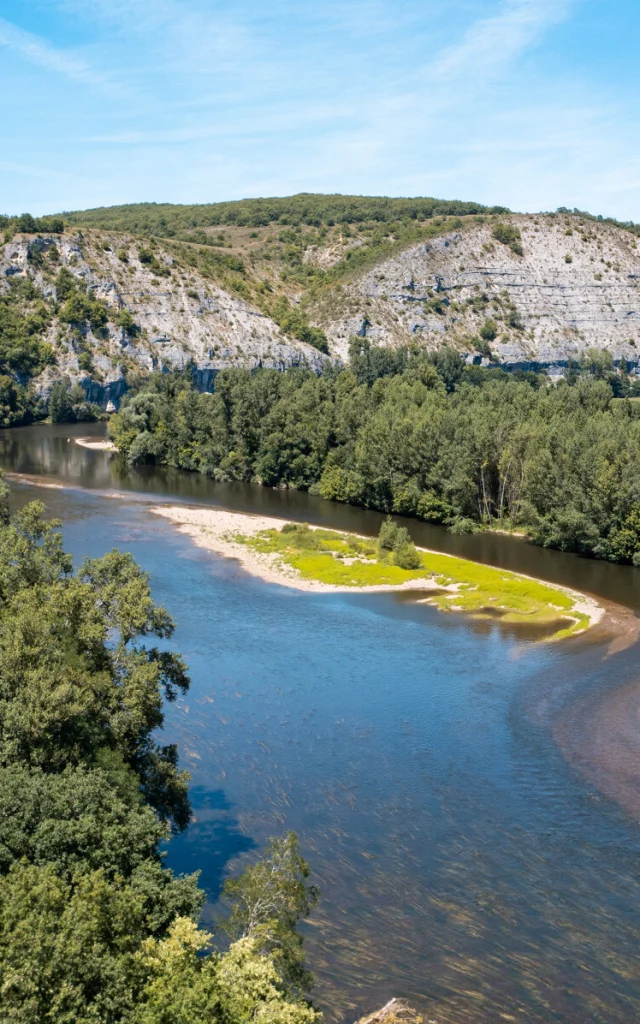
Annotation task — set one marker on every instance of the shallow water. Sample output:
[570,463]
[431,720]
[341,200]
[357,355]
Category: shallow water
[464,864]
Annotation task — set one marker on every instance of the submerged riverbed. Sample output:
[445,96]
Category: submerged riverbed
[465,864]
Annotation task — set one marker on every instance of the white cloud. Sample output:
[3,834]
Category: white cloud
[490,43]
[64,62]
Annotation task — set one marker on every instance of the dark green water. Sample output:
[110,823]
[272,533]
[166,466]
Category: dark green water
[465,864]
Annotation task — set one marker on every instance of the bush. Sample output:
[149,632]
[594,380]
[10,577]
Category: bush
[124,320]
[489,330]
[26,223]
[85,362]
[509,235]
[482,345]
[294,323]
[406,556]
[387,535]
[68,404]
[462,525]
[30,225]
[396,539]
[432,507]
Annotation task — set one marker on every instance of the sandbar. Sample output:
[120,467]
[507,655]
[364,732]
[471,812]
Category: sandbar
[216,529]
[96,444]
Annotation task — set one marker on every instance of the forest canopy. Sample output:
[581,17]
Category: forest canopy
[167,219]
[417,434]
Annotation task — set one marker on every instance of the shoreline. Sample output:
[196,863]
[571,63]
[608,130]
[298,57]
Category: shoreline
[213,529]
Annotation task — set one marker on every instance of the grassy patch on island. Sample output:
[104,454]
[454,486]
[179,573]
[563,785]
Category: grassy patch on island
[346,560]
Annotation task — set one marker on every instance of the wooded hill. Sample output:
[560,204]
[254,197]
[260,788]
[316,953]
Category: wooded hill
[286,282]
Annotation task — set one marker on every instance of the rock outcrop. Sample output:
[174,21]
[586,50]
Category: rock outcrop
[555,286]
[179,316]
[396,1011]
[575,286]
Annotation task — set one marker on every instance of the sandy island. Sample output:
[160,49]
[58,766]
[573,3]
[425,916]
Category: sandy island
[216,529]
[97,444]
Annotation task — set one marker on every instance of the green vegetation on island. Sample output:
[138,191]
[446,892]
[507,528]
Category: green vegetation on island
[418,434]
[93,926]
[346,560]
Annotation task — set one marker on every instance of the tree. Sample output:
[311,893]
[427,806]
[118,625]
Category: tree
[405,432]
[509,235]
[93,926]
[267,901]
[26,223]
[406,556]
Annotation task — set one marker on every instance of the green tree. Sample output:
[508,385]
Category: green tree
[268,900]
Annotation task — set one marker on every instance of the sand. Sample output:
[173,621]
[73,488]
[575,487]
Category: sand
[97,444]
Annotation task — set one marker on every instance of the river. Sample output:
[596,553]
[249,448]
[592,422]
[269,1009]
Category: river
[466,864]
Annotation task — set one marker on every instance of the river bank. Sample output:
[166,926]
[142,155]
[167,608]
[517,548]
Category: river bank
[453,584]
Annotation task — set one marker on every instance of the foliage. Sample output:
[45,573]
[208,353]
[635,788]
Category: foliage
[268,900]
[402,431]
[32,225]
[125,320]
[294,322]
[24,317]
[509,235]
[68,404]
[18,404]
[167,220]
[406,556]
[184,987]
[396,539]
[93,926]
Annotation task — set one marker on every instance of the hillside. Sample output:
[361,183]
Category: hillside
[280,282]
[305,209]
[562,285]
[426,270]
[104,308]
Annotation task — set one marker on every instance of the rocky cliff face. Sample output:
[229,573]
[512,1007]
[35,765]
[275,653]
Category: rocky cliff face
[575,286]
[179,316]
[567,284]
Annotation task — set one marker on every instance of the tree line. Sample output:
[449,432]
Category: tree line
[93,926]
[417,434]
[167,219]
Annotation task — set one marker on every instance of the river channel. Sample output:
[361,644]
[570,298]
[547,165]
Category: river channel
[468,797]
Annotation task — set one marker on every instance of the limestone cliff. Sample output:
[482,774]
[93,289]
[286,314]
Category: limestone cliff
[575,285]
[178,314]
[517,290]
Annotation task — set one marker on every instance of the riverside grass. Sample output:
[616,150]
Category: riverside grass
[342,559]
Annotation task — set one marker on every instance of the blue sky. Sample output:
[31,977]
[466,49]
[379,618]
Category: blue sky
[528,103]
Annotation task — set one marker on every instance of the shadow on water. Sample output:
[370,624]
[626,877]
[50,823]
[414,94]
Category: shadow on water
[216,831]
[416,605]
